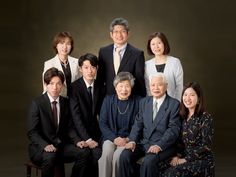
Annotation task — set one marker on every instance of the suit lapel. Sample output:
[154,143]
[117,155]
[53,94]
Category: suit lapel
[162,112]
[125,58]
[85,91]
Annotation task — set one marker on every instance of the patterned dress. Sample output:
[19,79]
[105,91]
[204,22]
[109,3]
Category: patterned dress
[196,148]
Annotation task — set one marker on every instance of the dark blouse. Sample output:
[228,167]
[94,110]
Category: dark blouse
[67,73]
[160,68]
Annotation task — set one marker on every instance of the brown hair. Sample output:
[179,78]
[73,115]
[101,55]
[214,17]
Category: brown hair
[53,72]
[59,37]
[163,39]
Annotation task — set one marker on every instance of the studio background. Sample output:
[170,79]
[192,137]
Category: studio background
[200,33]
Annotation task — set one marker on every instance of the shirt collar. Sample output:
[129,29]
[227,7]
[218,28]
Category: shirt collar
[159,100]
[87,84]
[122,48]
[51,99]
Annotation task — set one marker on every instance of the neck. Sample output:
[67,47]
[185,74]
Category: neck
[191,112]
[89,81]
[160,59]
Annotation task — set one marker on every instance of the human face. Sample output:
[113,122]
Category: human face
[54,87]
[123,90]
[119,35]
[64,47]
[158,87]
[157,46]
[88,71]
[190,98]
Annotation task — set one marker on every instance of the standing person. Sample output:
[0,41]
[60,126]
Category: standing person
[116,119]
[121,56]
[50,132]
[162,62]
[154,132]
[195,158]
[85,102]
[63,45]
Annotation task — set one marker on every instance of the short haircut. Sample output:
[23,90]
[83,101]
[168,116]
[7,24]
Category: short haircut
[200,107]
[162,75]
[124,76]
[53,72]
[90,57]
[119,21]
[163,39]
[60,37]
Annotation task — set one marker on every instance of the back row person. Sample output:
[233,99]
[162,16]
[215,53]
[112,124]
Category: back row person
[121,56]
[63,45]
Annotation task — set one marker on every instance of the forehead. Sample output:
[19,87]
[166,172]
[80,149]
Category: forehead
[156,39]
[190,90]
[157,80]
[119,27]
[64,39]
[124,82]
[55,79]
[86,63]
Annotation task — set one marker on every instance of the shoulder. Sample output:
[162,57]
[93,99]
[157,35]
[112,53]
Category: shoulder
[72,59]
[172,101]
[52,60]
[172,59]
[150,62]
[206,117]
[134,49]
[108,47]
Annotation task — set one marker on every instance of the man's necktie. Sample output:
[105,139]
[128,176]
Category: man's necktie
[90,95]
[155,109]
[54,112]
[117,58]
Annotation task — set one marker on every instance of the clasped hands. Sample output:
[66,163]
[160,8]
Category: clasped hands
[90,143]
[177,161]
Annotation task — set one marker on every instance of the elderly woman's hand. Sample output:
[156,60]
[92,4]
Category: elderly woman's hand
[120,141]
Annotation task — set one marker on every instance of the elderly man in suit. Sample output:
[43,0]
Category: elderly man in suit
[121,56]
[154,132]
[85,101]
[50,132]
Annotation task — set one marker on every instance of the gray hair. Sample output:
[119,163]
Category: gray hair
[158,75]
[119,21]
[124,76]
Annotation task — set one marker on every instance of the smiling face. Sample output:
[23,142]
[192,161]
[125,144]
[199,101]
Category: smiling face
[190,98]
[54,87]
[158,87]
[88,71]
[123,90]
[157,46]
[119,35]
[64,47]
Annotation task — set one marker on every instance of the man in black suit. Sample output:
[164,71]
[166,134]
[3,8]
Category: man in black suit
[85,102]
[131,59]
[154,132]
[50,132]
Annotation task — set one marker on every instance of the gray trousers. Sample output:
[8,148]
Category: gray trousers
[109,162]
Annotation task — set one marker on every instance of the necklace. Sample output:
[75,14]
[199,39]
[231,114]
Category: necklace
[126,109]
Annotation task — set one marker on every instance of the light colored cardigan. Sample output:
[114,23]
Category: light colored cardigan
[173,72]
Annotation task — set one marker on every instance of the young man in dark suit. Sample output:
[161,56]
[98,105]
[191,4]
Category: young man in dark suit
[154,132]
[50,132]
[130,59]
[85,102]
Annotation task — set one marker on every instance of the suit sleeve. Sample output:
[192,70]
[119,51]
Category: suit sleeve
[106,130]
[172,132]
[179,77]
[34,126]
[137,128]
[76,117]
[139,74]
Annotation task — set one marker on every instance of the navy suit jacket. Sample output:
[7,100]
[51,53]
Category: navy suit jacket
[132,61]
[165,128]
[84,116]
[41,128]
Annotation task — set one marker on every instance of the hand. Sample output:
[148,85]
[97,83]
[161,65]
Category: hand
[131,146]
[92,144]
[154,149]
[120,141]
[181,161]
[50,148]
[174,161]
[81,144]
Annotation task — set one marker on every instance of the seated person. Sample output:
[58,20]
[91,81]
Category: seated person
[116,119]
[154,132]
[195,156]
[50,132]
[85,101]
